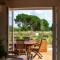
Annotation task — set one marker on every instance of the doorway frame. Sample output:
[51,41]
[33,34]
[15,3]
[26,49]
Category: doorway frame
[54,29]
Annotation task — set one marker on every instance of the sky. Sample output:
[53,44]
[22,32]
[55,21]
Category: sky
[42,14]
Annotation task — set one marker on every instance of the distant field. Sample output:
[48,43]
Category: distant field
[35,35]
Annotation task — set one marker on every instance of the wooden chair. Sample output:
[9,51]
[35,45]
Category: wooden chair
[36,49]
[20,47]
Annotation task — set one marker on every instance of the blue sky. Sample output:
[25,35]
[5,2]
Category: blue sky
[42,14]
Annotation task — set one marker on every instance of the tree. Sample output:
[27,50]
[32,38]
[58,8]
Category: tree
[35,23]
[28,22]
[31,22]
[45,25]
[22,21]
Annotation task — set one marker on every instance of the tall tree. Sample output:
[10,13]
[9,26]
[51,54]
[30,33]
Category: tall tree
[30,22]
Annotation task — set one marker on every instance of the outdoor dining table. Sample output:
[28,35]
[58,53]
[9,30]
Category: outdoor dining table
[28,44]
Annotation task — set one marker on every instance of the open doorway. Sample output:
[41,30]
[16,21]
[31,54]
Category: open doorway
[32,23]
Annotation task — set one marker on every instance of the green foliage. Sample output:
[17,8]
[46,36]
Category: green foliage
[50,28]
[50,38]
[33,23]
[45,25]
[30,22]
[32,34]
[39,37]
[27,22]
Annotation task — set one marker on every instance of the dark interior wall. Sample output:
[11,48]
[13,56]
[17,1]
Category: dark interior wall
[33,3]
[3,25]
[2,1]
[30,3]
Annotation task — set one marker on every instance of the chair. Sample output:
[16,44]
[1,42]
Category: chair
[36,49]
[20,47]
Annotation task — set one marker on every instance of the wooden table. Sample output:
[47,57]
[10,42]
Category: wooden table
[28,44]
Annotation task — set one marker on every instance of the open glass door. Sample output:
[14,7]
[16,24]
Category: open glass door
[34,23]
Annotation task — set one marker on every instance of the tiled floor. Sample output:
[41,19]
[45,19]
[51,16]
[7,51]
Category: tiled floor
[46,56]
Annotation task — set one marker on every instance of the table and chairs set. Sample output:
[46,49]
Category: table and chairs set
[26,47]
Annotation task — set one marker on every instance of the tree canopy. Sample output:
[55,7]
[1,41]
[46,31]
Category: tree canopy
[31,22]
[44,25]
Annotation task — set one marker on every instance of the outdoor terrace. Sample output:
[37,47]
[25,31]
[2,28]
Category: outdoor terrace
[46,55]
